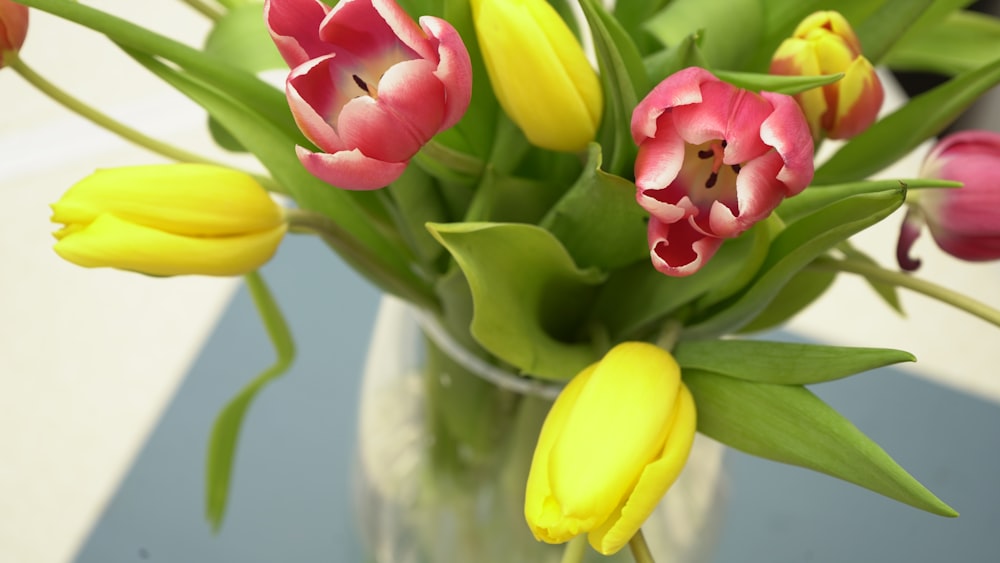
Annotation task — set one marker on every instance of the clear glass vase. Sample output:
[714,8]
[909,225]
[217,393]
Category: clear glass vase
[444,446]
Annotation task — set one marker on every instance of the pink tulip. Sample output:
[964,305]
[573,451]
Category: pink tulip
[368,86]
[965,222]
[713,160]
[13,27]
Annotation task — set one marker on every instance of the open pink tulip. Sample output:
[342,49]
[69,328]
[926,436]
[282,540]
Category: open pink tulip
[713,160]
[965,222]
[13,27]
[368,86]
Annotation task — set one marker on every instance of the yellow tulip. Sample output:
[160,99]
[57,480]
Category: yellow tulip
[168,220]
[824,43]
[614,441]
[539,72]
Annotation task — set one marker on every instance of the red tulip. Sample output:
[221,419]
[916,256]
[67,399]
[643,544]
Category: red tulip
[965,222]
[368,85]
[713,160]
[13,27]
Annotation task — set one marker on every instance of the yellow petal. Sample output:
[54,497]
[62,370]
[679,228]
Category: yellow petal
[654,482]
[616,427]
[186,199]
[109,241]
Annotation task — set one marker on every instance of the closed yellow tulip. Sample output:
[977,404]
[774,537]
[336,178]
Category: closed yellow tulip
[539,72]
[168,220]
[614,441]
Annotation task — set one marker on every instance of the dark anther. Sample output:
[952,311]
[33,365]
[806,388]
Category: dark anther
[707,153]
[724,143]
[736,168]
[712,179]
[361,83]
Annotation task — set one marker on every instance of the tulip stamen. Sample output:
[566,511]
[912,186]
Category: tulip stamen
[361,84]
[712,179]
[736,168]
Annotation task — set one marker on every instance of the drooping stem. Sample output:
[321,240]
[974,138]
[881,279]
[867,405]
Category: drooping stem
[210,11]
[574,550]
[640,551]
[103,120]
[900,279]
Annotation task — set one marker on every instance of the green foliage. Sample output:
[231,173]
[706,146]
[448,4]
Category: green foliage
[972,41]
[527,292]
[731,29]
[788,424]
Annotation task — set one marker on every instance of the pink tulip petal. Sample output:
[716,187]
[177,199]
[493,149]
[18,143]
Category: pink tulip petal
[679,89]
[678,249]
[787,131]
[660,157]
[454,70]
[413,93]
[313,97]
[367,29]
[294,27]
[350,170]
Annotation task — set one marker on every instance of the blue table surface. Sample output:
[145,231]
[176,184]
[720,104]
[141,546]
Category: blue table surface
[290,497]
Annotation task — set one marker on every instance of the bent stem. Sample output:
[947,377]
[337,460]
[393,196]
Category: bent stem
[640,551]
[899,279]
[103,120]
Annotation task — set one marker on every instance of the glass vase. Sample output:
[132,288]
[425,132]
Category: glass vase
[444,446]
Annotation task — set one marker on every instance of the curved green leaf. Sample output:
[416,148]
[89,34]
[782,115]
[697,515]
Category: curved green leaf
[802,290]
[598,220]
[788,363]
[886,25]
[971,39]
[815,198]
[790,85]
[792,250]
[226,430]
[523,283]
[241,39]
[731,29]
[788,424]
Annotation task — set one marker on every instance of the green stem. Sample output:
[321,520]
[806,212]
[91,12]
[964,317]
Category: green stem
[575,549]
[900,279]
[74,104]
[640,551]
[210,11]
[669,333]
[346,246]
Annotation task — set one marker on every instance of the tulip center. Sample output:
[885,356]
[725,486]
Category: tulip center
[370,90]
[706,177]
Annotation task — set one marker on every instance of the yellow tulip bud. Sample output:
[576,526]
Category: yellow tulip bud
[824,43]
[614,441]
[539,72]
[168,220]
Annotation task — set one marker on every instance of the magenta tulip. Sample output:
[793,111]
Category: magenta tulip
[965,222]
[713,160]
[368,85]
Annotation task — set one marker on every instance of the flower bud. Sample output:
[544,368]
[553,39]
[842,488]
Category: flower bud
[368,85]
[824,43]
[13,27]
[539,72]
[965,222]
[614,441]
[169,220]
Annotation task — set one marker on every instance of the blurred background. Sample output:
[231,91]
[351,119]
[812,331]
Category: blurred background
[109,381]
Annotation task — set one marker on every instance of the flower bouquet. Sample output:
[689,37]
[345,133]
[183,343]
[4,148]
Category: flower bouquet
[589,210]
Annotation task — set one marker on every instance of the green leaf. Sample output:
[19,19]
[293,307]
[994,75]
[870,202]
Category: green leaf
[623,79]
[632,16]
[637,297]
[888,292]
[260,97]
[788,424]
[886,25]
[742,271]
[891,138]
[961,42]
[731,30]
[790,85]
[798,293]
[787,363]
[792,250]
[598,220]
[665,62]
[815,198]
[226,430]
[523,284]
[241,39]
